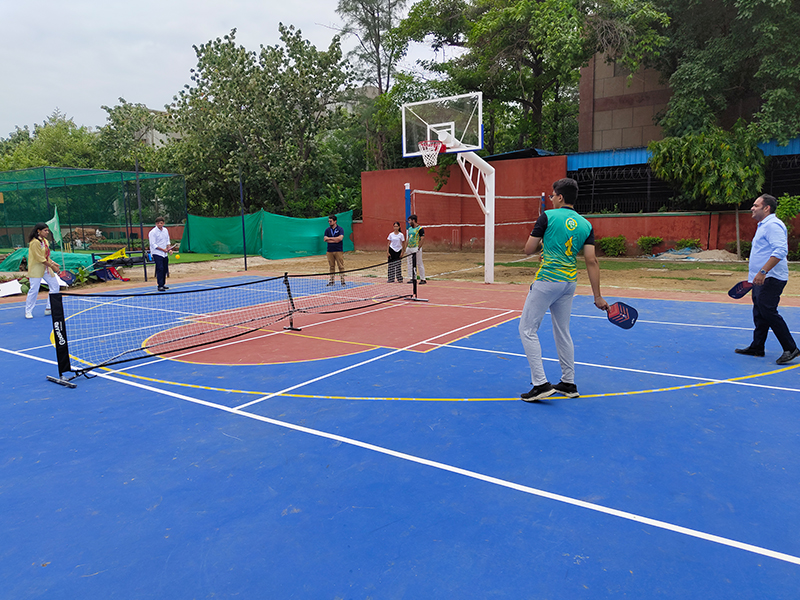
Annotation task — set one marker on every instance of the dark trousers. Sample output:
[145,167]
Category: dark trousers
[765,315]
[395,268]
[162,265]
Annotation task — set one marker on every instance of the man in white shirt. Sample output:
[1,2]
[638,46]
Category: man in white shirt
[769,273]
[160,249]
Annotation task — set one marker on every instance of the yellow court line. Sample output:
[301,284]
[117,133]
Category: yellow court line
[393,399]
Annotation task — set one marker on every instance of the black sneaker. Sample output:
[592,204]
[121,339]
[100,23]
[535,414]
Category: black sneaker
[788,356]
[570,390]
[162,289]
[538,391]
[330,283]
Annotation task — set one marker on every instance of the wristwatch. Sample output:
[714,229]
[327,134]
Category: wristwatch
[763,272]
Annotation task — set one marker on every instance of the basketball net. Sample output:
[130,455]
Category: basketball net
[430,149]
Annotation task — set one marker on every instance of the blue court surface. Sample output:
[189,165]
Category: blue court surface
[409,468]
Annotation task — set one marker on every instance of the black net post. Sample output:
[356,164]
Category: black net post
[60,334]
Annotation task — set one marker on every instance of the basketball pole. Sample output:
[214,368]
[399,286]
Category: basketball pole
[486,172]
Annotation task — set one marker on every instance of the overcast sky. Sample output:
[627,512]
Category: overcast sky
[79,55]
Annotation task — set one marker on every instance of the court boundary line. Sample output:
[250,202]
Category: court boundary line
[599,508]
[370,360]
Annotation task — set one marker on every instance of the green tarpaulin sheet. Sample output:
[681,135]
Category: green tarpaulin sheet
[271,236]
[70,261]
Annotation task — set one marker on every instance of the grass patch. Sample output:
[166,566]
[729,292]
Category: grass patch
[607,264]
[682,278]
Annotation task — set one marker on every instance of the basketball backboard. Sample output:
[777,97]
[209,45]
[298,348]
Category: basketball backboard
[455,120]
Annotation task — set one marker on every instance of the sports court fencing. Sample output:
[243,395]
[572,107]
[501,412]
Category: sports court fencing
[88,201]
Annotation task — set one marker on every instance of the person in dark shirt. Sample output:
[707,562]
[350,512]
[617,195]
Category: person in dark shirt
[334,236]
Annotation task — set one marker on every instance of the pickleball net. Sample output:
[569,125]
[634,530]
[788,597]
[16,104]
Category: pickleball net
[99,330]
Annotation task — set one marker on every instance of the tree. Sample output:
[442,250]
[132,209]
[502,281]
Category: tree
[723,167]
[123,139]
[58,142]
[733,59]
[524,52]
[262,113]
[377,53]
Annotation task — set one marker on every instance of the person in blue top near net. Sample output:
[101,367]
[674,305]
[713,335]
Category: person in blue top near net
[334,236]
[562,233]
[769,273]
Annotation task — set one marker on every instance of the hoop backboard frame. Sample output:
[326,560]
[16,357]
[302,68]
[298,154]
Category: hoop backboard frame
[455,120]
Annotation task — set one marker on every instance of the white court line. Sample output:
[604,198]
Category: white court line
[629,370]
[252,339]
[464,472]
[373,359]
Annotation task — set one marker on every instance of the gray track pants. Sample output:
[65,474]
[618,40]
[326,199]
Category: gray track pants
[557,297]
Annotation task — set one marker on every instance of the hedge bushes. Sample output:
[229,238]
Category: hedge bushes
[613,246]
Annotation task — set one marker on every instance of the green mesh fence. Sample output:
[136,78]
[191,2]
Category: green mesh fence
[271,236]
[94,207]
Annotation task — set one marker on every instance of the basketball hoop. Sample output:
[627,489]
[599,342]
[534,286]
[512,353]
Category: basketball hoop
[430,149]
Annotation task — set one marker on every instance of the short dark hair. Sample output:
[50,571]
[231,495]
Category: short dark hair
[160,220]
[413,218]
[333,218]
[568,189]
[35,231]
[770,201]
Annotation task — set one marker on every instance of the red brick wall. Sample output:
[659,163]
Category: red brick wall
[383,202]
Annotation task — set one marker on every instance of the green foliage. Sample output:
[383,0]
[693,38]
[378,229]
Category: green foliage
[611,211]
[526,54]
[58,142]
[377,52]
[123,138]
[613,246]
[81,277]
[646,243]
[722,167]
[744,244]
[788,209]
[262,113]
[687,243]
[732,58]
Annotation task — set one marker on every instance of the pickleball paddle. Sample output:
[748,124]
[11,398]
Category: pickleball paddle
[622,315]
[740,289]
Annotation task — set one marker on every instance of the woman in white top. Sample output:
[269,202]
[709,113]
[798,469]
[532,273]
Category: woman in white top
[397,245]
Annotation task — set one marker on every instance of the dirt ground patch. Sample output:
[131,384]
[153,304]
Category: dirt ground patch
[709,274]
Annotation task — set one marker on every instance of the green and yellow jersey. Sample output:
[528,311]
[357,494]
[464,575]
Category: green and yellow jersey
[564,233]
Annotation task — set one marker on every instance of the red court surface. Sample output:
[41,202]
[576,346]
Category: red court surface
[417,326]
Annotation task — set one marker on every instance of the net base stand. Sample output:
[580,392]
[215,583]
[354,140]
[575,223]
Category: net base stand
[61,381]
[290,326]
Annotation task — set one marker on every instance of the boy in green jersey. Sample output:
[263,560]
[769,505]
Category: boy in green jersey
[562,233]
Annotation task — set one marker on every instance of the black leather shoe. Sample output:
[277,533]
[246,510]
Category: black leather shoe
[788,356]
[749,351]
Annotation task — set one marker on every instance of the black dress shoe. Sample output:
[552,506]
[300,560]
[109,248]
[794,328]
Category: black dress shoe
[788,356]
[749,351]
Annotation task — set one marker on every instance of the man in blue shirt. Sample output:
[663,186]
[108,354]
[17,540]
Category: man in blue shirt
[769,273]
[334,236]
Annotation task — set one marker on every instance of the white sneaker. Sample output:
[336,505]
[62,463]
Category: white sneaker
[47,311]
[28,316]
